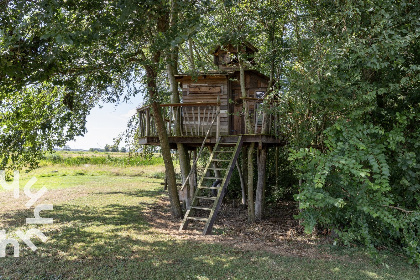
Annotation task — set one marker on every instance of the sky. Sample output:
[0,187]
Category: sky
[104,124]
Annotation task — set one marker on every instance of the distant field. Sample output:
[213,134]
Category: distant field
[100,158]
[104,228]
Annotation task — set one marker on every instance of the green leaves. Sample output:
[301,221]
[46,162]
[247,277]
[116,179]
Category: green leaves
[355,95]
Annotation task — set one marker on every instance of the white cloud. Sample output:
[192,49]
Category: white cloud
[129,114]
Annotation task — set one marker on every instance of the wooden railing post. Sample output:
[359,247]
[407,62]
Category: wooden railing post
[218,119]
[198,121]
[147,134]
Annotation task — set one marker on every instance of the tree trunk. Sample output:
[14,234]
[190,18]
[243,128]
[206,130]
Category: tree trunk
[184,161]
[214,165]
[262,152]
[193,177]
[249,130]
[245,169]
[247,116]
[176,210]
[259,196]
[241,178]
[251,209]
[191,57]
[172,67]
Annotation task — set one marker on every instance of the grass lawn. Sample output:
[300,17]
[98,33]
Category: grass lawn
[102,230]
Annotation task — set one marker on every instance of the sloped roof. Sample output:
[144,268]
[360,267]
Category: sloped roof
[247,44]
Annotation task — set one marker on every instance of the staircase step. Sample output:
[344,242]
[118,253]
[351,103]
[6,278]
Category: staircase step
[207,197]
[209,188]
[201,208]
[217,168]
[233,156]
[197,219]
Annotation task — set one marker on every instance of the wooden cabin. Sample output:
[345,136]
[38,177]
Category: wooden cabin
[213,100]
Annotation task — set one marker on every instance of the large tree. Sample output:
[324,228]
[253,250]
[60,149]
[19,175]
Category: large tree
[76,53]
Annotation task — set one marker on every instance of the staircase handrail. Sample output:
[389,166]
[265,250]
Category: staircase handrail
[200,151]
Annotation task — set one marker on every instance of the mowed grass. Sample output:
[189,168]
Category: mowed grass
[100,231]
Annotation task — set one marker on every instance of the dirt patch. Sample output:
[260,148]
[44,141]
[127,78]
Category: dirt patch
[280,233]
[10,204]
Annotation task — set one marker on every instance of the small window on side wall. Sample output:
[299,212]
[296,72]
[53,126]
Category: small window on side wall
[258,114]
[259,94]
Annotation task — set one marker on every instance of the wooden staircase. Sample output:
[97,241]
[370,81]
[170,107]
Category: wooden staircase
[212,185]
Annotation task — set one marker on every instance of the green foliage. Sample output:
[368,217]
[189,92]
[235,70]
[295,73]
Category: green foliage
[58,59]
[34,120]
[354,105]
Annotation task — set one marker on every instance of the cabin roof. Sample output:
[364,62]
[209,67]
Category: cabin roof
[222,73]
[210,73]
[247,44]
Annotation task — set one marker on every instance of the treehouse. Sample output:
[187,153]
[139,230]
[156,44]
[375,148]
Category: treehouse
[212,113]
[212,102]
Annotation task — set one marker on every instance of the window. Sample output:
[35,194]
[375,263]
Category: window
[258,114]
[259,94]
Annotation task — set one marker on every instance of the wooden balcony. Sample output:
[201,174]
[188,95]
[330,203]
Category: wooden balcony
[196,119]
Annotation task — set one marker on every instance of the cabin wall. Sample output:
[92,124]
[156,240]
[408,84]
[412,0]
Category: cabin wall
[256,87]
[226,87]
[206,89]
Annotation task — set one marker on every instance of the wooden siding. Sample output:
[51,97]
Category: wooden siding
[205,90]
[254,82]
[226,89]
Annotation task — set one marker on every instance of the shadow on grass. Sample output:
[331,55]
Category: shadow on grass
[136,193]
[149,257]
[114,242]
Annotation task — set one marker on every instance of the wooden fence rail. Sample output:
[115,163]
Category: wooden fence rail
[196,119]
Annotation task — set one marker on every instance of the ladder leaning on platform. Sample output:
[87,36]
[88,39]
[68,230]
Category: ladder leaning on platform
[210,192]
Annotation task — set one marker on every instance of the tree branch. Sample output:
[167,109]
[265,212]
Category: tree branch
[398,208]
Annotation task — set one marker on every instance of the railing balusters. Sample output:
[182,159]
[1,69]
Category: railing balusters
[194,119]
[198,121]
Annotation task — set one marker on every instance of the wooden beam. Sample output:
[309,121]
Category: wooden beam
[190,104]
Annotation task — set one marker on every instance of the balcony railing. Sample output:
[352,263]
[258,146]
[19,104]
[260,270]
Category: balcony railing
[195,119]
